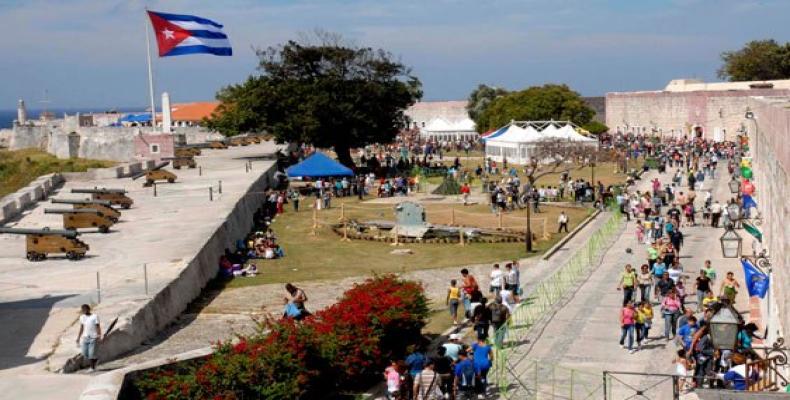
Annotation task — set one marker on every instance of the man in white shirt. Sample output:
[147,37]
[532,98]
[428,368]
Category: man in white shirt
[715,214]
[562,221]
[89,335]
[496,280]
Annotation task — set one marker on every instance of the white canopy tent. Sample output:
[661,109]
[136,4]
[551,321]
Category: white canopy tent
[517,142]
[441,129]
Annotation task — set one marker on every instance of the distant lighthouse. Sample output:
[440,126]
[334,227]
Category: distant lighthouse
[21,113]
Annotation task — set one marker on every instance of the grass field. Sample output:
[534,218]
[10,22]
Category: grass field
[20,167]
[325,256]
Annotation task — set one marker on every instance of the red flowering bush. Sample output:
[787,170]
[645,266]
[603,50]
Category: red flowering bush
[344,346]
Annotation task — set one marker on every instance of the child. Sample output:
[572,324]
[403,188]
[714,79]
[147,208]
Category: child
[646,313]
[393,379]
[682,366]
[681,290]
[640,232]
[453,298]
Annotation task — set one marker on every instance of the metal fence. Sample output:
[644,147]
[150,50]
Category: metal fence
[517,376]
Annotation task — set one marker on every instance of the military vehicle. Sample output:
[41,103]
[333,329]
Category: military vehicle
[115,196]
[156,174]
[102,206]
[182,161]
[42,242]
[82,218]
[217,145]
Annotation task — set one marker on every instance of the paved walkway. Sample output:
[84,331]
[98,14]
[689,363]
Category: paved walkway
[584,333]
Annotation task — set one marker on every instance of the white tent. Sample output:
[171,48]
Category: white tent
[517,145]
[443,130]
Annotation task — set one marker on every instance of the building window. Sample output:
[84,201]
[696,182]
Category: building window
[154,149]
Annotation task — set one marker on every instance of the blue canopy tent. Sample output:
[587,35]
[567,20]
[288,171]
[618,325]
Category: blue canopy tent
[318,165]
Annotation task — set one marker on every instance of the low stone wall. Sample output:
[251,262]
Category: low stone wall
[149,318]
[12,205]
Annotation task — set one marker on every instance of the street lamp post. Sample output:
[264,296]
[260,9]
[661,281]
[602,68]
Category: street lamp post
[529,229]
[731,243]
[724,328]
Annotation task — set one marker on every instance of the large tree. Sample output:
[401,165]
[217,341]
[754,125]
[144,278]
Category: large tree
[328,94]
[481,98]
[758,60]
[557,102]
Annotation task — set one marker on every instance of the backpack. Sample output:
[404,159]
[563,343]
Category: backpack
[467,378]
[497,313]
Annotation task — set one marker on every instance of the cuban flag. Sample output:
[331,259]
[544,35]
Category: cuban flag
[178,35]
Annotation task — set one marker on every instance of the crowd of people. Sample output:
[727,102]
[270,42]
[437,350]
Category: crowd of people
[458,369]
[658,286]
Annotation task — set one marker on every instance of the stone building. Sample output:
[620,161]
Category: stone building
[686,104]
[768,133]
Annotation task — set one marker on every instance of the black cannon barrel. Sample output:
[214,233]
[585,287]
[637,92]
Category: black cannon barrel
[71,211]
[99,190]
[45,231]
[160,165]
[85,201]
[178,158]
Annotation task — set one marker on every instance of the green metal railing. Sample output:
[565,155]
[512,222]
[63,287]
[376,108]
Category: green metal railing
[517,376]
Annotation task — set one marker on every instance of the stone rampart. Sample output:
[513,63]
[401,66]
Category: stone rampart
[12,205]
[719,113]
[768,139]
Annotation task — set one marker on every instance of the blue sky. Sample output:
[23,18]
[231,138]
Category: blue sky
[91,53]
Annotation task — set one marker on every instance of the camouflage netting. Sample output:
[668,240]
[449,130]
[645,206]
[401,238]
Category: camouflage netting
[449,186]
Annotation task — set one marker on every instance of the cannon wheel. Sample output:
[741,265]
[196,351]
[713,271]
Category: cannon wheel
[171,180]
[32,256]
[125,206]
[104,229]
[72,256]
[177,166]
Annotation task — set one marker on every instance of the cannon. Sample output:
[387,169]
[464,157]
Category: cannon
[42,242]
[104,207]
[82,218]
[217,145]
[187,151]
[182,161]
[239,141]
[115,196]
[156,174]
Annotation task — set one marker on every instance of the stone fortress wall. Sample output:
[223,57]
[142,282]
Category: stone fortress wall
[768,138]
[718,108]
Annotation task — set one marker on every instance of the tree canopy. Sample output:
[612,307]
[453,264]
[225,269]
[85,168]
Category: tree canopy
[327,94]
[758,60]
[536,103]
[480,98]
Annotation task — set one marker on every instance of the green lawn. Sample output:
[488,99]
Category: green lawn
[20,167]
[325,256]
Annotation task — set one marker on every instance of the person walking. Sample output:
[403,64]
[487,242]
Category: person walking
[670,308]
[496,280]
[465,191]
[729,288]
[627,284]
[627,323]
[499,316]
[483,357]
[562,221]
[645,281]
[426,383]
[295,197]
[464,378]
[89,335]
[702,286]
[469,286]
[453,300]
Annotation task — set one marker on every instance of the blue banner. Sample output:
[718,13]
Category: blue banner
[757,282]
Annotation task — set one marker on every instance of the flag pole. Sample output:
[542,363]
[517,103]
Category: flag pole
[150,71]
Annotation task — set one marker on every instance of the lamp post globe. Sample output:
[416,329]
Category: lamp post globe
[731,244]
[724,328]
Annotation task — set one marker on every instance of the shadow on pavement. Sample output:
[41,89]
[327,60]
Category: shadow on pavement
[22,321]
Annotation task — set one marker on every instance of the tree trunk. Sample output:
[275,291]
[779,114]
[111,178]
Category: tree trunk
[344,156]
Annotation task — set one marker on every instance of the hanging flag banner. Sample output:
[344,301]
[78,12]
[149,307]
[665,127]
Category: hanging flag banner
[178,34]
[748,201]
[753,231]
[757,282]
